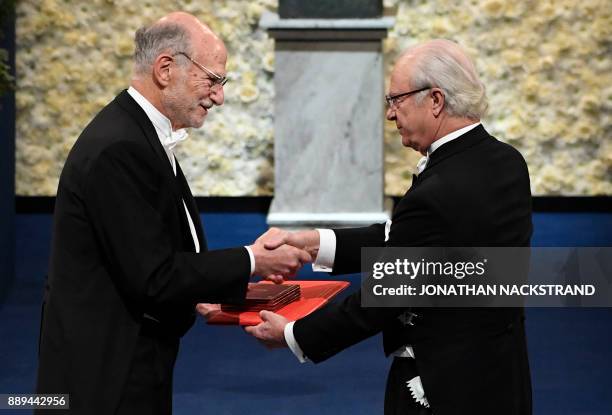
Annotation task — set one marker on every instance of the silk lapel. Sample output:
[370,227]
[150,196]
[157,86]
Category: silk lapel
[464,142]
[127,103]
[191,206]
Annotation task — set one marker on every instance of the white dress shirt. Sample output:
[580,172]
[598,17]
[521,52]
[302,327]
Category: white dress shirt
[169,139]
[327,248]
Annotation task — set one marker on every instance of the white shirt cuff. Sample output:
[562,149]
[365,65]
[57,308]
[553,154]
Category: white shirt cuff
[292,343]
[327,251]
[252,258]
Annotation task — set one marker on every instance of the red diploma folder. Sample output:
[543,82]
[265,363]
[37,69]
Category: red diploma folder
[314,294]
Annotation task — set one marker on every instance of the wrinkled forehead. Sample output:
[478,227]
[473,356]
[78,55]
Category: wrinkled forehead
[210,51]
[401,74]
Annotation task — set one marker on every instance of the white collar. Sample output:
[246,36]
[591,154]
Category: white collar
[450,137]
[162,124]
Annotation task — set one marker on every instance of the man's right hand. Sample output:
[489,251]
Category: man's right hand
[307,240]
[275,260]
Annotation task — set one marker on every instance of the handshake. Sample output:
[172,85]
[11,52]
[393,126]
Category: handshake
[280,254]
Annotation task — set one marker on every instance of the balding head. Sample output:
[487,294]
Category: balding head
[179,67]
[444,64]
[200,35]
[175,32]
[186,20]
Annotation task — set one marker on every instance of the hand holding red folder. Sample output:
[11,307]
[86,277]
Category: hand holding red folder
[313,295]
[271,331]
[208,310]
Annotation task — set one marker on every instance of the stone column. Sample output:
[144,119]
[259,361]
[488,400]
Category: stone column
[328,128]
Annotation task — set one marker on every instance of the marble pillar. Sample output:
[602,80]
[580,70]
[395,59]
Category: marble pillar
[328,128]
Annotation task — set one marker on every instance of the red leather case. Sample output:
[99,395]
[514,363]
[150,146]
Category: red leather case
[314,294]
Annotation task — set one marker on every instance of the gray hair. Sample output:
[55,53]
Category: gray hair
[442,64]
[159,38]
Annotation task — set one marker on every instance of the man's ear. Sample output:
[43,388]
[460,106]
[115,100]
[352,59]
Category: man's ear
[161,69]
[437,101]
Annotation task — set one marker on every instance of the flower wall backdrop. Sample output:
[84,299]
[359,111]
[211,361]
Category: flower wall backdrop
[547,66]
[73,57]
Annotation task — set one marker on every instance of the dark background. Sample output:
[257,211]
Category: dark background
[7,167]
[329,8]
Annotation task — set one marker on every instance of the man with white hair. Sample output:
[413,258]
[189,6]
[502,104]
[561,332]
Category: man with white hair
[129,260]
[471,190]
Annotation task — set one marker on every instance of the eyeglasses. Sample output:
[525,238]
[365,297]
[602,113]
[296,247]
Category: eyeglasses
[215,78]
[393,101]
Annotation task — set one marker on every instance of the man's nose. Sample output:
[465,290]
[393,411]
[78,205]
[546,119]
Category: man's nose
[390,115]
[217,95]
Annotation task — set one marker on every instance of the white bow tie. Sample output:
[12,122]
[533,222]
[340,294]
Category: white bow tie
[422,164]
[174,138]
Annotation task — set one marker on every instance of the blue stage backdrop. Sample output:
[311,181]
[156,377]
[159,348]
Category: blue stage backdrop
[7,170]
[221,370]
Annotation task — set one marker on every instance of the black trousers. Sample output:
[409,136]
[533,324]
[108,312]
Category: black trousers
[149,386]
[398,400]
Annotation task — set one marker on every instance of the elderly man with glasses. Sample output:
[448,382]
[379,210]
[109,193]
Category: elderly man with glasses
[129,259]
[471,190]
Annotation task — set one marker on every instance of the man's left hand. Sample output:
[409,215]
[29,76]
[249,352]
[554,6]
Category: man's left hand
[271,331]
[207,310]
